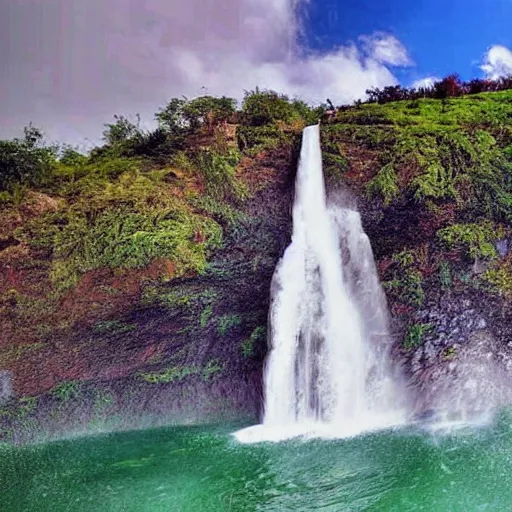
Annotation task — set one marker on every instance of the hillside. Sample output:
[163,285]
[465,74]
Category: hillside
[433,180]
[137,278]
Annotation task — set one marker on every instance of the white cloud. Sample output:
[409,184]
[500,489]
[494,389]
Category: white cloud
[386,49]
[497,62]
[81,62]
[426,82]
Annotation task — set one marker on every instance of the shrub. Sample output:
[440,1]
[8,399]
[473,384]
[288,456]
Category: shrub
[26,161]
[266,107]
[415,333]
[219,173]
[499,280]
[227,322]
[121,238]
[384,184]
[445,274]
[66,390]
[476,239]
[113,327]
[248,346]
[176,373]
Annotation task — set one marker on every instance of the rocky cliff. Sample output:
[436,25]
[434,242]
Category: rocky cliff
[135,281]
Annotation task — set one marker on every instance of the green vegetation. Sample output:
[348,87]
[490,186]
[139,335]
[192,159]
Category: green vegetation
[453,150]
[144,196]
[219,174]
[499,279]
[406,279]
[409,288]
[205,316]
[113,327]
[415,334]
[475,239]
[248,346]
[175,373]
[213,367]
[384,184]
[179,373]
[66,390]
[445,275]
[269,120]
[227,322]
[24,162]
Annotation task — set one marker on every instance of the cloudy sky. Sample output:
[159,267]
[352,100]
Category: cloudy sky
[69,65]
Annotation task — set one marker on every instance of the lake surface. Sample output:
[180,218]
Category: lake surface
[205,469]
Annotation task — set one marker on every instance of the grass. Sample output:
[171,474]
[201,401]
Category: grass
[427,149]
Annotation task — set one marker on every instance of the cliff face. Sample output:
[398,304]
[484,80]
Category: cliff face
[433,182]
[136,294]
[178,338]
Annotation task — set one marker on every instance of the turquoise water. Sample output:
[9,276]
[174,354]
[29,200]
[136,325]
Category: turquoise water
[204,469]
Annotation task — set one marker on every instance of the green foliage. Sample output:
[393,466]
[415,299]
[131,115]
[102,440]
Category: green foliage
[175,373]
[113,327]
[121,238]
[219,173]
[180,114]
[408,288]
[445,275]
[269,120]
[384,184]
[212,368]
[253,139]
[208,110]
[25,162]
[404,258]
[455,151]
[227,322]
[499,280]
[121,130]
[248,346]
[221,211]
[476,239]
[265,107]
[170,118]
[415,333]
[179,373]
[126,224]
[334,161]
[205,316]
[71,156]
[66,390]
[26,405]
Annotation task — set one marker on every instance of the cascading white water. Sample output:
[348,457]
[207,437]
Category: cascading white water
[327,371]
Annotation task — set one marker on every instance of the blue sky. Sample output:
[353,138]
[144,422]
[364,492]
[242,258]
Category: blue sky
[442,37]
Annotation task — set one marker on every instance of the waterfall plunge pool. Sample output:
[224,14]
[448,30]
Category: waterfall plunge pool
[200,469]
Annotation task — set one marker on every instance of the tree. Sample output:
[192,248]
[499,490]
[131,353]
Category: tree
[170,118]
[71,156]
[449,87]
[208,110]
[122,130]
[27,161]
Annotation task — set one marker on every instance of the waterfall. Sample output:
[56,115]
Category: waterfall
[327,372]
